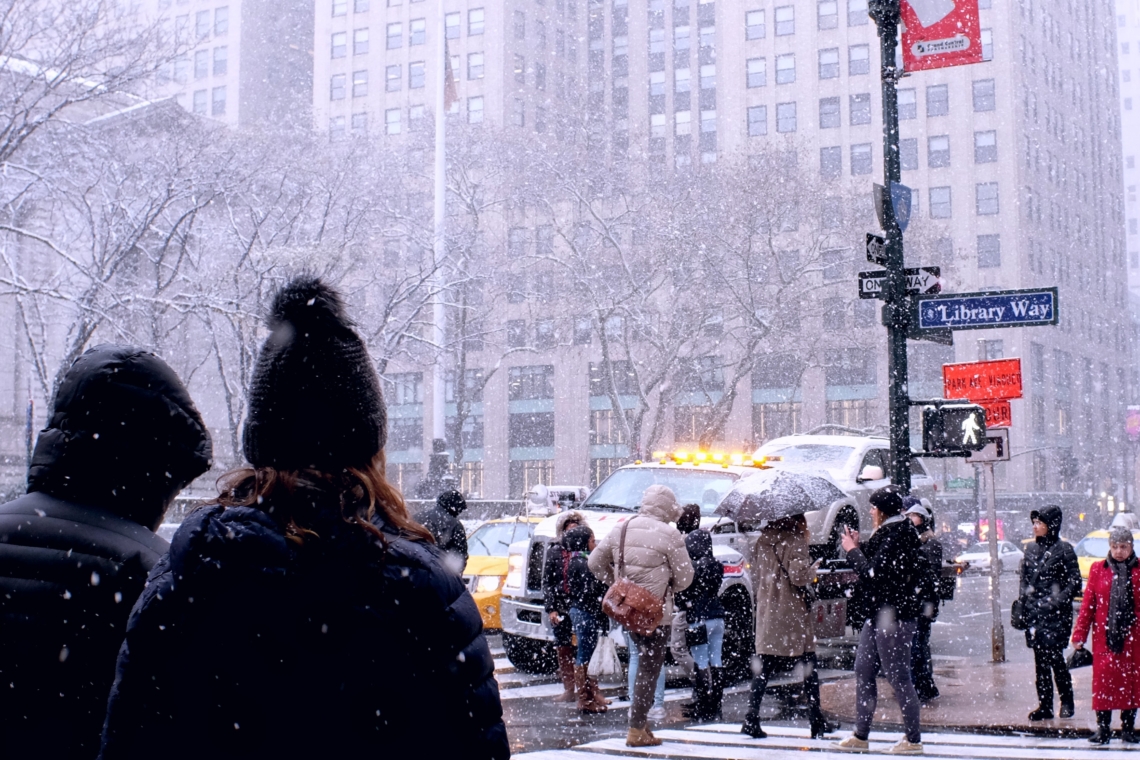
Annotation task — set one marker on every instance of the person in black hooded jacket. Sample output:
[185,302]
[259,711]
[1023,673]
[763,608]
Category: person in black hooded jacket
[306,614]
[585,598]
[442,521]
[1050,579]
[122,440]
[704,616]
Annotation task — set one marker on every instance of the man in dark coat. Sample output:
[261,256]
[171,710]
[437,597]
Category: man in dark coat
[123,439]
[1050,579]
[922,665]
[442,521]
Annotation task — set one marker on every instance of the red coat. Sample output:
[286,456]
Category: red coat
[1116,677]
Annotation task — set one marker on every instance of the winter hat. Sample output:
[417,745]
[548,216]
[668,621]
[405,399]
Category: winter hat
[561,521]
[887,500]
[451,502]
[314,400]
[1120,535]
[577,539]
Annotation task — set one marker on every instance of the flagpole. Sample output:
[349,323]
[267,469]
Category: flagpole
[439,252]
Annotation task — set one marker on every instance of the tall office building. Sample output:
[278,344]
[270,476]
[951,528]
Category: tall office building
[1128,42]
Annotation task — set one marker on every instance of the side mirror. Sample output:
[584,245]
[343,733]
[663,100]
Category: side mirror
[870,472]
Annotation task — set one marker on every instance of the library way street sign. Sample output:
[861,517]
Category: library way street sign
[921,280]
[978,311]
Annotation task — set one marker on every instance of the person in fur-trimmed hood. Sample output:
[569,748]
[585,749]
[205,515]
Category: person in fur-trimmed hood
[304,613]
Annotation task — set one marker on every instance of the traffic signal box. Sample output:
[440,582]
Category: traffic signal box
[953,428]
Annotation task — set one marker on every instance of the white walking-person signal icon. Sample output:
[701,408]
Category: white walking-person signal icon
[970,430]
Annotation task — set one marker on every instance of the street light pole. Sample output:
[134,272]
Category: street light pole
[896,310]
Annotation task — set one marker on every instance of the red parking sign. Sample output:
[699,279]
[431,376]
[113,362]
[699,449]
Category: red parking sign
[940,33]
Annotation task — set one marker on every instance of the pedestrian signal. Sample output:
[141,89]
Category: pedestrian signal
[954,427]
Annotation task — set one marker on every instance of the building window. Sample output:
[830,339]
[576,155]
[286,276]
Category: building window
[683,123]
[757,72]
[707,37]
[786,68]
[221,61]
[754,25]
[475,110]
[831,162]
[520,69]
[360,123]
[218,101]
[937,100]
[417,31]
[657,125]
[681,40]
[708,76]
[395,36]
[475,19]
[202,24]
[987,198]
[201,64]
[519,25]
[908,153]
[987,44]
[829,63]
[406,433]
[785,20]
[657,83]
[775,420]
[415,118]
[985,147]
[861,159]
[518,113]
[860,106]
[339,7]
[681,83]
[857,12]
[829,113]
[392,121]
[181,69]
[530,383]
[474,65]
[451,26]
[360,6]
[336,128]
[939,203]
[337,87]
[393,78]
[416,75]
[199,100]
[984,99]
[359,84]
[858,60]
[340,44]
[908,105]
[989,251]
[828,14]
[524,475]
[757,121]
[785,117]
[835,266]
[221,21]
[938,151]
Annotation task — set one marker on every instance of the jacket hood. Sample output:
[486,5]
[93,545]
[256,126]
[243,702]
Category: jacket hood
[451,502]
[123,434]
[659,503]
[577,539]
[699,545]
[217,536]
[1052,517]
[565,517]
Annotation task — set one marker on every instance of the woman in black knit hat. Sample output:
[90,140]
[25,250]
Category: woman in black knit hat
[304,614]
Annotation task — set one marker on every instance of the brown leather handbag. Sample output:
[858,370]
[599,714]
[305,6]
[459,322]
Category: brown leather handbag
[633,607]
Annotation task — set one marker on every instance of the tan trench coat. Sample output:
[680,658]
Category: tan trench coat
[783,624]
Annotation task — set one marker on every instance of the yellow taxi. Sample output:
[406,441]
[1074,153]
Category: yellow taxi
[1094,547]
[487,562]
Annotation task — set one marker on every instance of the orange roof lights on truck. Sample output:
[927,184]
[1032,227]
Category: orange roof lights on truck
[682,457]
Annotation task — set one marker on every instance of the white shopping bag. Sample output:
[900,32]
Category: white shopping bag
[605,662]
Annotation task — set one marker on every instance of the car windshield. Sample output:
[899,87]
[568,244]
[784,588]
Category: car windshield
[493,539]
[623,489]
[812,453]
[1095,546]
[983,548]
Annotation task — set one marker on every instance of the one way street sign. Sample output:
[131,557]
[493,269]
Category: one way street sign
[922,280]
[978,311]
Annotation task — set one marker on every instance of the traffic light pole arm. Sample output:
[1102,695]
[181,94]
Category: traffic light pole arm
[896,311]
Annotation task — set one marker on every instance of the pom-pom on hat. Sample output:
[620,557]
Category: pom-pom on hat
[314,399]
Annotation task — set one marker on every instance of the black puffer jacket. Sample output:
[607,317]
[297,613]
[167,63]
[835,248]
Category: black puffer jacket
[75,552]
[1050,578]
[586,591]
[887,565]
[700,601]
[244,645]
[442,521]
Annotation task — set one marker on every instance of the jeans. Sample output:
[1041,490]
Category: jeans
[586,629]
[884,647]
[709,654]
[650,659]
[659,691]
[1050,666]
[921,665]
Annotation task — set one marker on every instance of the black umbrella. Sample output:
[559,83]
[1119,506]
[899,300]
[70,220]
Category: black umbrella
[772,494]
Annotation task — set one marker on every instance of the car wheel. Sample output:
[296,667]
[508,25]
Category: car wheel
[739,634]
[529,655]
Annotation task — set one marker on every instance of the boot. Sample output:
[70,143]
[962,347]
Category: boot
[692,708]
[585,704]
[752,719]
[1128,727]
[1043,712]
[716,694]
[566,673]
[641,737]
[1103,727]
[594,695]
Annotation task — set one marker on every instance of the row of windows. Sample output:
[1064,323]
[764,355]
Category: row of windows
[217,21]
[417,33]
[394,119]
[213,101]
[827,17]
[340,7]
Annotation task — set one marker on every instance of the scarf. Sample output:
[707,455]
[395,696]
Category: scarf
[1121,609]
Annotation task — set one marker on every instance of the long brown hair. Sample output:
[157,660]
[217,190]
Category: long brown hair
[360,494]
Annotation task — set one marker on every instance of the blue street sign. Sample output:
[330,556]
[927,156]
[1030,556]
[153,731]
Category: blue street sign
[997,308]
[900,199]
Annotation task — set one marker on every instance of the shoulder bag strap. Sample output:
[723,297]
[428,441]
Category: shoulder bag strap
[621,551]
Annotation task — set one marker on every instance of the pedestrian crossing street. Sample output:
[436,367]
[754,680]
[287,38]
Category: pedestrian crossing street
[724,741]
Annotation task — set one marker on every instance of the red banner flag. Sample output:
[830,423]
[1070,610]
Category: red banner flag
[940,33]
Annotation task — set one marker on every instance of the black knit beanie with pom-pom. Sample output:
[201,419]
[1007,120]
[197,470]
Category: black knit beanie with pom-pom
[314,399]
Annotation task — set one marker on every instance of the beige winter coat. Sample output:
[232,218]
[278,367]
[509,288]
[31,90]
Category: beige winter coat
[654,550]
[783,624]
